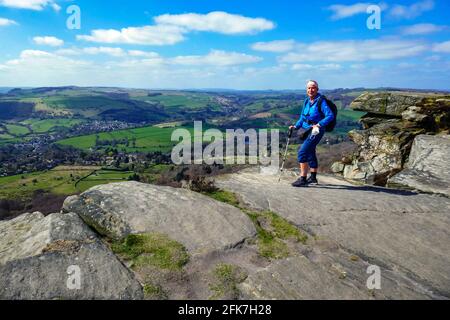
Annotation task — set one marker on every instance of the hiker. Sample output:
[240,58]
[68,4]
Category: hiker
[315,117]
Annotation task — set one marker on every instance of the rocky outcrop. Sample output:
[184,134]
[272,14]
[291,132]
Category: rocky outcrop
[428,167]
[312,243]
[196,221]
[405,234]
[392,122]
[41,258]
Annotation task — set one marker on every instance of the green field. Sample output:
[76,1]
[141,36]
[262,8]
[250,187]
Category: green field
[350,115]
[42,126]
[58,181]
[20,131]
[187,101]
[148,139]
[102,177]
[265,104]
[83,102]
[64,180]
[17,130]
[5,136]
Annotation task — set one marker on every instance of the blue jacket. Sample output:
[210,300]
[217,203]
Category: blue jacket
[311,112]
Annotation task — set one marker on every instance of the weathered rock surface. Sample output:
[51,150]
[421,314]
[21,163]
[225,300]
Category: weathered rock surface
[395,103]
[198,222]
[36,254]
[393,120]
[428,168]
[405,234]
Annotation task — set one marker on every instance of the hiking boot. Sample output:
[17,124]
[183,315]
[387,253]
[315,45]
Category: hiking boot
[312,180]
[300,183]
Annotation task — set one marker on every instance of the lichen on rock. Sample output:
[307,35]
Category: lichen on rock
[392,122]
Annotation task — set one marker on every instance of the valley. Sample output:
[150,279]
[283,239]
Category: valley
[60,141]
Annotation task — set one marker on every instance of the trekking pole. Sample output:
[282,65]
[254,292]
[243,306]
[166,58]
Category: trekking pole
[291,131]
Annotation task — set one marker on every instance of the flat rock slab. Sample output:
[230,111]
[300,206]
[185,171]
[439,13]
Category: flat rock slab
[428,168]
[198,222]
[397,230]
[297,278]
[394,103]
[37,254]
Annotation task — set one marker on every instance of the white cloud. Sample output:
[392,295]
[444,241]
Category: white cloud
[56,7]
[217,21]
[141,63]
[136,58]
[320,67]
[37,5]
[434,57]
[329,66]
[216,58]
[25,54]
[115,52]
[341,11]
[145,54]
[353,50]
[68,52]
[170,29]
[443,47]
[412,11]
[39,68]
[7,22]
[357,66]
[148,35]
[302,66]
[274,46]
[48,41]
[422,28]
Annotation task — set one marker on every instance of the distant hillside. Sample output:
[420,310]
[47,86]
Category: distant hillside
[4,90]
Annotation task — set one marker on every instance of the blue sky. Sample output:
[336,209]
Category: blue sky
[245,44]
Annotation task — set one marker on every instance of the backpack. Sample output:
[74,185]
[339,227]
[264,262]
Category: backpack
[330,127]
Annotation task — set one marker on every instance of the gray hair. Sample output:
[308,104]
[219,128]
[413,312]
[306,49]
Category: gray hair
[312,81]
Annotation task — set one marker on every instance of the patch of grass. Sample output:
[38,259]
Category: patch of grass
[224,196]
[269,246]
[154,292]
[271,228]
[151,249]
[284,229]
[227,277]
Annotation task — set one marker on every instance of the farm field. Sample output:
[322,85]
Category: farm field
[62,180]
[148,139]
[187,101]
[43,126]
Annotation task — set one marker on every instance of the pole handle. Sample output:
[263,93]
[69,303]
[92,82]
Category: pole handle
[291,131]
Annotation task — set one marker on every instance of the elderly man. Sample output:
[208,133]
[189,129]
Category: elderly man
[316,115]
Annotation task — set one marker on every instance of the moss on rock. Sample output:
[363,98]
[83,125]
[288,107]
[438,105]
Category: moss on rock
[226,278]
[151,249]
